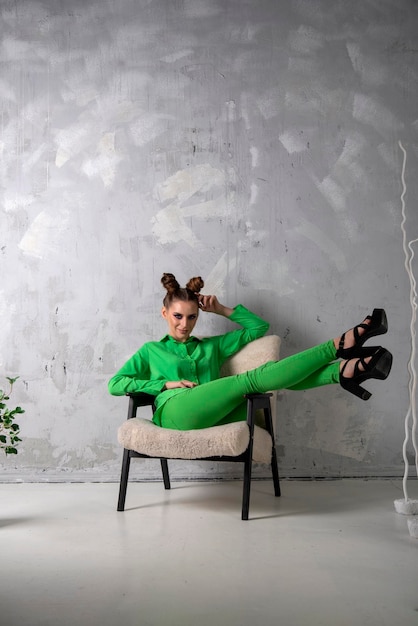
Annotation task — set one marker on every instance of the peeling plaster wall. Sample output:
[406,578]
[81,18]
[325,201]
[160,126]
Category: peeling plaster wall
[253,143]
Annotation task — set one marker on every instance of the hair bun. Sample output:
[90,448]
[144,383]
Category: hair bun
[195,284]
[169,282]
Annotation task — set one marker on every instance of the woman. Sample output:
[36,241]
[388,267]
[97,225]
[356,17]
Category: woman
[183,372]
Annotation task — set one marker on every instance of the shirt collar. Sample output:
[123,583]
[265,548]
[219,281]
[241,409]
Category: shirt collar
[170,338]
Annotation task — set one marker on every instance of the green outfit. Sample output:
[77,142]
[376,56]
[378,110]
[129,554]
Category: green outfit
[216,400]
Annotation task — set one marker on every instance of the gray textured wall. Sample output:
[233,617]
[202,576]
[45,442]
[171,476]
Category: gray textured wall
[252,142]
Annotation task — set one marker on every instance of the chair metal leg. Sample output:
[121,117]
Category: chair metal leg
[275,472]
[246,488]
[248,463]
[166,476]
[124,479]
[274,467]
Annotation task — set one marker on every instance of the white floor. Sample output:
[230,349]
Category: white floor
[329,553]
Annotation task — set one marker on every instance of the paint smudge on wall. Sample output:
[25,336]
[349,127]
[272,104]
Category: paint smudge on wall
[303,100]
[253,194]
[7,92]
[245,108]
[200,181]
[176,56]
[231,111]
[38,155]
[306,40]
[253,238]
[371,71]
[305,66]
[169,224]
[86,133]
[328,247]
[105,163]
[72,140]
[14,200]
[269,103]
[371,112]
[215,282]
[354,144]
[348,168]
[244,34]
[148,127]
[255,156]
[186,183]
[293,141]
[200,8]
[332,192]
[44,234]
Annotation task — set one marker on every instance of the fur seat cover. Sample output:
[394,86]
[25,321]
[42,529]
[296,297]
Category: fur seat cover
[145,437]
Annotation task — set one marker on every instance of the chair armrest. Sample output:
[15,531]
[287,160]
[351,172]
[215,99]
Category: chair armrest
[142,399]
[258,395]
[256,401]
[139,399]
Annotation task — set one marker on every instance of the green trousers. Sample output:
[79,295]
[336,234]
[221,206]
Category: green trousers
[221,401]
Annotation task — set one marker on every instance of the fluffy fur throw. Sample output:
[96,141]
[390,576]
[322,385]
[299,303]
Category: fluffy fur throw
[145,437]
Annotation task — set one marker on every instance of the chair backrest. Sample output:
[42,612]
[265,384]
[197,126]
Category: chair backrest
[252,355]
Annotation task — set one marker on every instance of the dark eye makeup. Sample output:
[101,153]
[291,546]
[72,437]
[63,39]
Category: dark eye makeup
[179,316]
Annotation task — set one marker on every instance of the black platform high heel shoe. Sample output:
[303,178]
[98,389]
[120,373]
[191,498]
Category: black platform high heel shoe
[378,325]
[378,367]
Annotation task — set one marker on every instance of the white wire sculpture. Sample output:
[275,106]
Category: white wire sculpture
[408,506]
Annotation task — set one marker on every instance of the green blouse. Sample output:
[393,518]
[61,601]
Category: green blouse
[197,360]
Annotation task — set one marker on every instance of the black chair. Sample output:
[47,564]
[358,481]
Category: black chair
[143,439]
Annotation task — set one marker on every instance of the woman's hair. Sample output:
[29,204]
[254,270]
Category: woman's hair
[175,292]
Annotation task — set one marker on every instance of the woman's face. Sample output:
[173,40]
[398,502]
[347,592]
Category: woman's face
[181,318]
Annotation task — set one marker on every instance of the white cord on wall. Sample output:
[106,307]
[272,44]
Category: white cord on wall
[408,506]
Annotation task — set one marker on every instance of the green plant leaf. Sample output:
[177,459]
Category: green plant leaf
[9,429]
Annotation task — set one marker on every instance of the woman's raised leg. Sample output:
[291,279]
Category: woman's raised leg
[212,403]
[208,404]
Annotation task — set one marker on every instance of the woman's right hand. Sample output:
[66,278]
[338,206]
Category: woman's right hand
[176,384]
[211,304]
